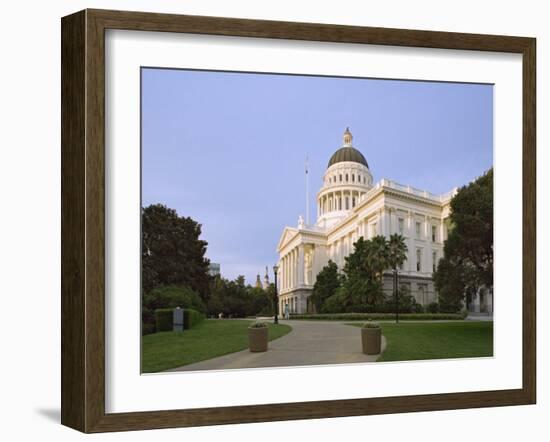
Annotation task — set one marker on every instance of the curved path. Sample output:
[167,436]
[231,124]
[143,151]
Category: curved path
[309,343]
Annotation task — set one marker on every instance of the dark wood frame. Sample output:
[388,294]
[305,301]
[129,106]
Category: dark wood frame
[83,217]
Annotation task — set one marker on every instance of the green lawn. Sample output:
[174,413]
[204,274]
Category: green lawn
[436,340]
[210,338]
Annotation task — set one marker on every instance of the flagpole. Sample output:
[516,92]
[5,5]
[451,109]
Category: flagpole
[307,192]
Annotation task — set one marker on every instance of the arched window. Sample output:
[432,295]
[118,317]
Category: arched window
[340,177]
[353,202]
[347,178]
[347,203]
[353,178]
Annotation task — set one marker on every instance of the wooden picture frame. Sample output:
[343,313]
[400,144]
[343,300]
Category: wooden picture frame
[83,220]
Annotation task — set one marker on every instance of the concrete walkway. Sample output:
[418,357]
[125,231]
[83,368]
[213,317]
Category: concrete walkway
[309,343]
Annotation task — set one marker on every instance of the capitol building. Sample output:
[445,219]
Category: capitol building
[350,205]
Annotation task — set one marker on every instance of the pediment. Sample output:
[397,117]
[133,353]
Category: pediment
[288,234]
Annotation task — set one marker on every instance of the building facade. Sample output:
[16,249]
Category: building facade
[349,206]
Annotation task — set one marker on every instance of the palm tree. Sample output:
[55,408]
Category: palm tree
[397,251]
[397,254]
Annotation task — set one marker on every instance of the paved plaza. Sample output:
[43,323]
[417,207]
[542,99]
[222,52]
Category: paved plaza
[309,343]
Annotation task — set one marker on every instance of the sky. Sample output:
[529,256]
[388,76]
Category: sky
[229,149]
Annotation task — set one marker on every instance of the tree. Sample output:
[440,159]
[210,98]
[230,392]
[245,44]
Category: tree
[171,297]
[172,251]
[363,273]
[467,264]
[397,251]
[237,299]
[272,300]
[397,254]
[168,297]
[325,285]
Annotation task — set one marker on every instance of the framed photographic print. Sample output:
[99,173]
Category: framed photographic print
[269,220]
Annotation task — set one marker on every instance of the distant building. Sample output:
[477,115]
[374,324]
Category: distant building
[266,279]
[350,206]
[214,269]
[265,284]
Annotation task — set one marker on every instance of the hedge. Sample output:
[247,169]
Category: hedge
[164,319]
[380,316]
[191,318]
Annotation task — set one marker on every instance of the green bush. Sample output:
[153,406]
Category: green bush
[172,296]
[147,328]
[433,307]
[147,321]
[164,318]
[379,316]
[191,318]
[332,304]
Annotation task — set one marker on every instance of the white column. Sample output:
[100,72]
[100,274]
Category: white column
[288,271]
[476,302]
[294,272]
[283,276]
[387,222]
[301,265]
[427,228]
[409,229]
[284,273]
[489,302]
[296,267]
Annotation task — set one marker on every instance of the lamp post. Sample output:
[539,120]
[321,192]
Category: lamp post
[396,295]
[276,317]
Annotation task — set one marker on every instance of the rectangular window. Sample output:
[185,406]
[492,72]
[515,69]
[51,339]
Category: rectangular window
[418,229]
[373,230]
[401,225]
[434,261]
[434,233]
[418,260]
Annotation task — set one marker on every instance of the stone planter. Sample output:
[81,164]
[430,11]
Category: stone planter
[257,339]
[371,339]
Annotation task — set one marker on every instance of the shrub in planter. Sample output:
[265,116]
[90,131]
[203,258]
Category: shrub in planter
[371,338]
[258,337]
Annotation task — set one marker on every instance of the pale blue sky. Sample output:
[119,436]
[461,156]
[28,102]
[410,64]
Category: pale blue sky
[228,149]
